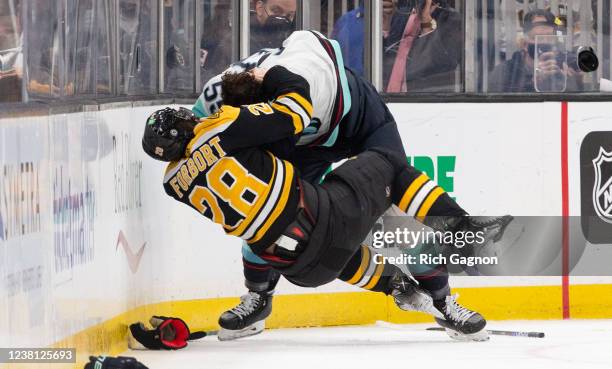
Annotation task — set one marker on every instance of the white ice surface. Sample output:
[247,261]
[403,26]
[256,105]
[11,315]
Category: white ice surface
[575,344]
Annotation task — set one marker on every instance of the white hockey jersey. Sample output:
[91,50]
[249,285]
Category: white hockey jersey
[312,56]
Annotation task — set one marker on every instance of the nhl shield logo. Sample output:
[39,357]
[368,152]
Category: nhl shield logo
[602,189]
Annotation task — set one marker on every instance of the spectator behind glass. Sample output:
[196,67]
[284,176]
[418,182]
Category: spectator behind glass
[271,22]
[216,40]
[517,74]
[136,47]
[348,31]
[434,54]
[11,55]
[179,68]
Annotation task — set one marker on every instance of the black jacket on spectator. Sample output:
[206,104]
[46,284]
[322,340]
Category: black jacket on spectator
[434,57]
[515,75]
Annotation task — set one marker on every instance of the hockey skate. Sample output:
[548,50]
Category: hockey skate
[461,323]
[248,318]
[491,228]
[409,296]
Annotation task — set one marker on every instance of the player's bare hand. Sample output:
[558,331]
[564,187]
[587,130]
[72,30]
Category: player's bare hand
[259,73]
[428,8]
[388,7]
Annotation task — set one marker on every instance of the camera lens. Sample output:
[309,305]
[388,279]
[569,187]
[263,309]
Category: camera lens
[587,59]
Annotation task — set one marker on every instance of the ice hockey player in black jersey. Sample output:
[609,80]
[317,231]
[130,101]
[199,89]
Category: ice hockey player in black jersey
[349,117]
[225,169]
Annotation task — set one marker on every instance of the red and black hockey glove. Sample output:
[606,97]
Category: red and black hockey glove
[107,362]
[167,334]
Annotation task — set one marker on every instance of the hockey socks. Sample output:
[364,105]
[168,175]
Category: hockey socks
[421,198]
[363,271]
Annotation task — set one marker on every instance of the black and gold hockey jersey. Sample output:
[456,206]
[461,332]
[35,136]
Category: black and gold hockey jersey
[229,176]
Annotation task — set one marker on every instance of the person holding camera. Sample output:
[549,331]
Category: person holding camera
[520,74]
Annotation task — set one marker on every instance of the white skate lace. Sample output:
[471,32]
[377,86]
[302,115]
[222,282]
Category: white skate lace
[455,311]
[248,303]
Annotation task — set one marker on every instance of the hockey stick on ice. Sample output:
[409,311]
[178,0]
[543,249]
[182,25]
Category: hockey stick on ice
[502,333]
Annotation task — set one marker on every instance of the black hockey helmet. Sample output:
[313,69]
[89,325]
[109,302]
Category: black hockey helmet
[168,132]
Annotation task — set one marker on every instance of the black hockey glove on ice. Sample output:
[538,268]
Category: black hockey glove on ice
[108,362]
[167,334]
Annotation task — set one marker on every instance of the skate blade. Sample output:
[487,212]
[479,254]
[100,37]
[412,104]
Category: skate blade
[252,330]
[481,336]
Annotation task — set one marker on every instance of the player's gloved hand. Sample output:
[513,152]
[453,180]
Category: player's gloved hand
[167,334]
[108,362]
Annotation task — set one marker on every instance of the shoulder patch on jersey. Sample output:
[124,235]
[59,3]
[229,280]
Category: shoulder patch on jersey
[226,114]
[213,124]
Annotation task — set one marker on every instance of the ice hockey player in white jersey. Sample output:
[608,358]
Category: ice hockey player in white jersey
[312,56]
[349,117]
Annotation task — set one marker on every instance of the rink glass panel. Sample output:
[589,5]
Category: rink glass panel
[218,40]
[137,42]
[44,49]
[84,50]
[88,51]
[435,58]
[179,45]
[76,61]
[497,36]
[343,21]
[11,63]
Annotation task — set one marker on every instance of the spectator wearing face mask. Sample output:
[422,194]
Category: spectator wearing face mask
[517,74]
[271,23]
